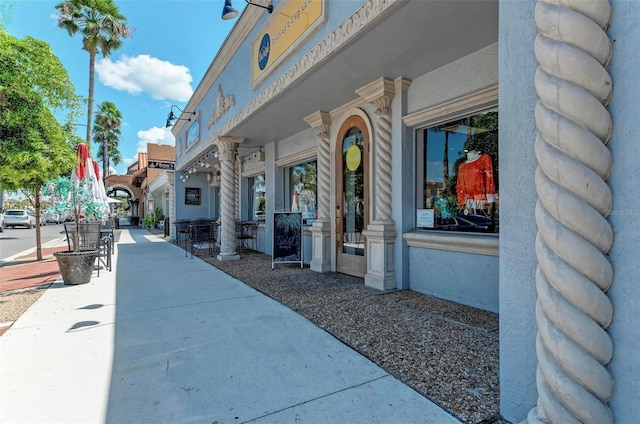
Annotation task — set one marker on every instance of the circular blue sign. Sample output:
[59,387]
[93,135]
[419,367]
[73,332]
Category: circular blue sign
[263,53]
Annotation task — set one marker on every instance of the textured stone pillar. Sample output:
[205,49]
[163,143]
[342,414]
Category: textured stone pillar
[172,205]
[227,148]
[380,234]
[574,200]
[321,228]
[236,185]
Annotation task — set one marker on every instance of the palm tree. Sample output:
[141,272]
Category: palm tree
[108,121]
[102,27]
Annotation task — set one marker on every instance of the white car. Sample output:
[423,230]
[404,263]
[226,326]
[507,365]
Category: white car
[2,223]
[54,218]
[19,218]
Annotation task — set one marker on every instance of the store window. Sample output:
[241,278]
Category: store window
[302,186]
[458,175]
[257,197]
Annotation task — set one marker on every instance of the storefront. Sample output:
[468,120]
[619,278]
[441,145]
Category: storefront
[403,132]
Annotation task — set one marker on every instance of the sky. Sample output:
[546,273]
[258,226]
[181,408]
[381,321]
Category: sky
[173,44]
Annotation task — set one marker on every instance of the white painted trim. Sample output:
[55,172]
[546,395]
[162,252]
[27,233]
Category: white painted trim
[253,171]
[470,103]
[304,156]
[480,244]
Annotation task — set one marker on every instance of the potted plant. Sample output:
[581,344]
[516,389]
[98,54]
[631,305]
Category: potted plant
[74,198]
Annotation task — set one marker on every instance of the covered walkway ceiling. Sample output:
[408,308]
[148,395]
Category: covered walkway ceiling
[417,37]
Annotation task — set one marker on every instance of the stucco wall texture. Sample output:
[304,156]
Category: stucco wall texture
[517,99]
[625,215]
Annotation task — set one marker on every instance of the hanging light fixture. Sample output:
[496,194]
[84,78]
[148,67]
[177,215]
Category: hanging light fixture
[171,118]
[228,12]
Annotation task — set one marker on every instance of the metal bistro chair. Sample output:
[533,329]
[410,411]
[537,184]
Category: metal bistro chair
[200,233]
[182,231]
[107,232]
[246,234]
[90,238]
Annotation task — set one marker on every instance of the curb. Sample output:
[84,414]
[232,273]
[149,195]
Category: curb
[51,243]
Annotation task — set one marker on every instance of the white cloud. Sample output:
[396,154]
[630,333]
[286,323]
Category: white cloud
[155,135]
[143,73]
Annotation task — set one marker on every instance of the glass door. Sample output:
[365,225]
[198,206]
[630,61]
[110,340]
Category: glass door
[352,202]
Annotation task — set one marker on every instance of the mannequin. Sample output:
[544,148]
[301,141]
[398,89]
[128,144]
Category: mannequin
[472,155]
[475,180]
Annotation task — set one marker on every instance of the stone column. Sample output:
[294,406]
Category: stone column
[380,234]
[574,126]
[227,148]
[172,205]
[236,185]
[321,228]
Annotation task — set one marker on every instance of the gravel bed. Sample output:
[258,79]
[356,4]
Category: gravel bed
[13,305]
[445,351]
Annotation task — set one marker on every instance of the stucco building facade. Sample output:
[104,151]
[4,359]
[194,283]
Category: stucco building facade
[481,152]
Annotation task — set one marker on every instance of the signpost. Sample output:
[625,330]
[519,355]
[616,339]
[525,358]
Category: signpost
[287,238]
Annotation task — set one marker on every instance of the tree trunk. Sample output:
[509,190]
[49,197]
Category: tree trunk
[92,63]
[38,217]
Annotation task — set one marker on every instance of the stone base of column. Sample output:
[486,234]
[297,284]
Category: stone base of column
[533,418]
[380,260]
[228,257]
[321,246]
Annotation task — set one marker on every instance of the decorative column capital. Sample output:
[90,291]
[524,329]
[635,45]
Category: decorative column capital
[321,121]
[318,119]
[227,146]
[380,93]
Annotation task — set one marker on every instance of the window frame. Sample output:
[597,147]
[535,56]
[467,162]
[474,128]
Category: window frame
[284,164]
[251,194]
[476,243]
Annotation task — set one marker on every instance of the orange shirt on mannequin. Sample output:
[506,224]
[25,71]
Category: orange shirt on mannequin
[475,180]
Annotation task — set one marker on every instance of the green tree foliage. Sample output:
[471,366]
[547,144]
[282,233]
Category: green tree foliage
[102,27]
[33,84]
[108,121]
[34,147]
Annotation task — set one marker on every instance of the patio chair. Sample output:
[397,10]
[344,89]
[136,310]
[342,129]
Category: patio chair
[90,237]
[182,231]
[200,234]
[247,234]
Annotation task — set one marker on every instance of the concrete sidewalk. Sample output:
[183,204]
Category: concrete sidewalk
[161,339]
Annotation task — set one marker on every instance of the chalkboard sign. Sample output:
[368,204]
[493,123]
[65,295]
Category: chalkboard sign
[287,238]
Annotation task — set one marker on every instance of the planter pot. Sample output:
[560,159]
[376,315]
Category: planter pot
[76,267]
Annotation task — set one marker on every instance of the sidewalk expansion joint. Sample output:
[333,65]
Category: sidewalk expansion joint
[387,375]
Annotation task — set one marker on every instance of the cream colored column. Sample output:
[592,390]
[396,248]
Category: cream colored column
[321,228]
[380,234]
[236,185]
[574,236]
[227,148]
[172,205]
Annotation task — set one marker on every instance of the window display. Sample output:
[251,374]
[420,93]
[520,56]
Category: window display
[459,175]
[257,197]
[302,183]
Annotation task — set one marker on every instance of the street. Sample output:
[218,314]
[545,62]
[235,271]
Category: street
[16,240]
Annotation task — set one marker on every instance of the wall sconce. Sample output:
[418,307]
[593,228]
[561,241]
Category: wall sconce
[171,118]
[228,12]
